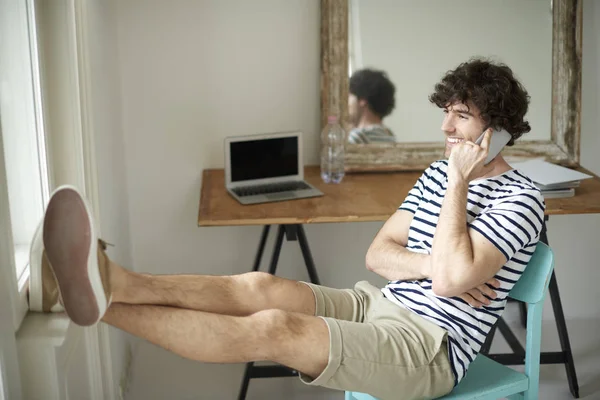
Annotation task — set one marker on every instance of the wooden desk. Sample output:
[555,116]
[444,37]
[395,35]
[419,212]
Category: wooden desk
[372,197]
[360,197]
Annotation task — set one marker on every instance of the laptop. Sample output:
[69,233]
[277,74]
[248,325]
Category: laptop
[266,168]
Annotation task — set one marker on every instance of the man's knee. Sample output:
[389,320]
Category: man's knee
[257,283]
[277,327]
[265,291]
[285,337]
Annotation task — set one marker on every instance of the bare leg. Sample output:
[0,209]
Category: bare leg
[243,294]
[271,335]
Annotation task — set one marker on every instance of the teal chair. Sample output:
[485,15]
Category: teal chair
[486,379]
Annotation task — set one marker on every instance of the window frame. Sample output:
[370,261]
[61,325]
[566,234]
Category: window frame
[19,269]
[64,36]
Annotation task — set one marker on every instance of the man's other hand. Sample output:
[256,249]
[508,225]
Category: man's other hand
[475,297]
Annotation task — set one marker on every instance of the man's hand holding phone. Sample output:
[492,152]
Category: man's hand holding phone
[467,160]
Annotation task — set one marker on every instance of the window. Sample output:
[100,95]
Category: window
[23,136]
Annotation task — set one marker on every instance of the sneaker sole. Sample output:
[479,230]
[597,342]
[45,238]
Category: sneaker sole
[71,247]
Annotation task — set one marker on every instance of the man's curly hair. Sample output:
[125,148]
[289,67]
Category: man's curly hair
[375,87]
[493,89]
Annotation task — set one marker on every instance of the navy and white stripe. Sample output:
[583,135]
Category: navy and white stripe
[508,210]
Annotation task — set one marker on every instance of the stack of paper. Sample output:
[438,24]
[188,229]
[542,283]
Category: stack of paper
[553,180]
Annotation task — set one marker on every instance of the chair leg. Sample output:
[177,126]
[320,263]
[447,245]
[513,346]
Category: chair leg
[485,349]
[561,325]
[523,314]
[563,337]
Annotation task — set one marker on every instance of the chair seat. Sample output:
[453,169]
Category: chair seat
[488,379]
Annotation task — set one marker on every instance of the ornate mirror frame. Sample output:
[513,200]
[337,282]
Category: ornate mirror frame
[562,148]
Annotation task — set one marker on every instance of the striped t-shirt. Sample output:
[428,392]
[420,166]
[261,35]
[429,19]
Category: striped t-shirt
[371,134]
[508,210]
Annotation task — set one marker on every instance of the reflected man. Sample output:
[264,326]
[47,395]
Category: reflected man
[371,99]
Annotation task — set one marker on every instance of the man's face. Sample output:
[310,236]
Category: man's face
[355,109]
[461,123]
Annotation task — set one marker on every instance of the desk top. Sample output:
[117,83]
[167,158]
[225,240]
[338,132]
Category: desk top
[360,197]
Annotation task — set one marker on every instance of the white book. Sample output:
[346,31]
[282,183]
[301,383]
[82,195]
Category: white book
[555,186]
[557,194]
[546,173]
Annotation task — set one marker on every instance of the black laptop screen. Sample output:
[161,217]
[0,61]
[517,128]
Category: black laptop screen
[264,158]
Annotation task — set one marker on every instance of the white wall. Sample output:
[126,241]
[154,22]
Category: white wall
[110,151]
[416,42]
[194,72]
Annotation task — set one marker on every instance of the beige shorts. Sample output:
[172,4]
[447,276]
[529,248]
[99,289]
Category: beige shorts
[380,348]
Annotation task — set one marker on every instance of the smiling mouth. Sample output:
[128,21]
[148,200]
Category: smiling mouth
[452,140]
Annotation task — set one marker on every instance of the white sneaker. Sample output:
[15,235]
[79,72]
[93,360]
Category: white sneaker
[81,268]
[44,295]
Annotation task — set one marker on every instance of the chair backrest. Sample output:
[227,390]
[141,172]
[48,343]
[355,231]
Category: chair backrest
[531,288]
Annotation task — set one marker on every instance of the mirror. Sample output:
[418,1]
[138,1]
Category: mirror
[414,43]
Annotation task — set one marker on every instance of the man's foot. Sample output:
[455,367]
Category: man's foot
[80,267]
[44,295]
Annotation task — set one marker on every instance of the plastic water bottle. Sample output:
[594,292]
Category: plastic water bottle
[333,140]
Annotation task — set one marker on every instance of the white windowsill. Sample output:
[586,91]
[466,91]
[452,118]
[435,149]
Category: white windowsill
[35,327]
[45,328]
[39,328]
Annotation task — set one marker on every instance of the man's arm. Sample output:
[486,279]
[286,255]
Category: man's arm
[388,257]
[462,258]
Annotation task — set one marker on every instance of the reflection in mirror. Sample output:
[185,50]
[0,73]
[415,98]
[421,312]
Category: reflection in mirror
[370,100]
[399,49]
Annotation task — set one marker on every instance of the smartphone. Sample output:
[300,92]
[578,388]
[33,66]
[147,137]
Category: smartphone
[497,143]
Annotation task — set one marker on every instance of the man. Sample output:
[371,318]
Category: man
[371,99]
[452,252]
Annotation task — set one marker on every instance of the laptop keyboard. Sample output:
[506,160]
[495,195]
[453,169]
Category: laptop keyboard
[271,188]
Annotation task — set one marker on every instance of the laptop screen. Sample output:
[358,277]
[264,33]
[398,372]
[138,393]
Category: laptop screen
[264,158]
